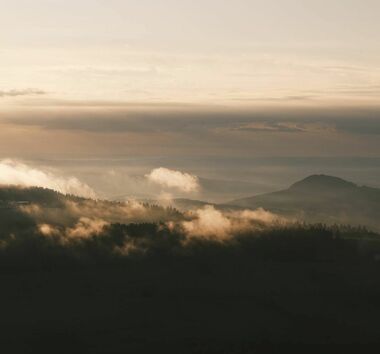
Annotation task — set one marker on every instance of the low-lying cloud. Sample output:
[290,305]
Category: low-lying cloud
[211,223]
[71,212]
[208,222]
[85,228]
[19,174]
[78,220]
[74,223]
[167,178]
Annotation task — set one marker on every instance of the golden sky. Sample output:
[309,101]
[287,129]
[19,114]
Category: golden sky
[239,53]
[183,79]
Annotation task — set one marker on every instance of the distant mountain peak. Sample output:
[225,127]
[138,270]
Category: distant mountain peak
[322,182]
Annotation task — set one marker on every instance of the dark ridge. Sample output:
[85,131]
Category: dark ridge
[324,182]
[321,198]
[19,194]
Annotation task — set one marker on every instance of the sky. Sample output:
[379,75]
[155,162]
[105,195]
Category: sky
[235,52]
[176,81]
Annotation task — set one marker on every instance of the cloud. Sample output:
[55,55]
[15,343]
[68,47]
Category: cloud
[214,224]
[16,173]
[86,227]
[258,217]
[287,127]
[231,133]
[48,230]
[71,212]
[276,99]
[200,121]
[208,222]
[165,177]
[24,92]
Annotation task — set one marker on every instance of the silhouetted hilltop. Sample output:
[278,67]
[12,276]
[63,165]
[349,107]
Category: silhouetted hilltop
[322,183]
[321,198]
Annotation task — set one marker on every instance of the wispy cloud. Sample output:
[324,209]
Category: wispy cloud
[23,92]
[287,127]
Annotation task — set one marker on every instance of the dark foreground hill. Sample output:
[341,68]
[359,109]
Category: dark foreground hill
[73,283]
[307,289]
[321,198]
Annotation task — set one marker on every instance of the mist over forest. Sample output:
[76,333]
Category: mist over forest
[181,263]
[116,276]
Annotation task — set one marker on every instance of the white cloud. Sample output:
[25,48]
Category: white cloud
[165,177]
[86,228]
[16,173]
[208,222]
[211,223]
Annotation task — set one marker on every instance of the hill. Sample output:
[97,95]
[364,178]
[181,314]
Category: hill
[14,194]
[321,198]
[108,277]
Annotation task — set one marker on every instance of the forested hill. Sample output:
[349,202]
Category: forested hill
[15,194]
[321,198]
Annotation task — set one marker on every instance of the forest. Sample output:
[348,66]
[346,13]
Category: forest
[74,275]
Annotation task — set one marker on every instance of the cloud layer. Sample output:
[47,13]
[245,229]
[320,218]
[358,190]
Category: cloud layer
[16,173]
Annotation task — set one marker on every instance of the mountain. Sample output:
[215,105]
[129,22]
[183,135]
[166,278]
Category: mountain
[321,198]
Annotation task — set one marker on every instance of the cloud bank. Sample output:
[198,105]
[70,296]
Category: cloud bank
[16,173]
[165,177]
